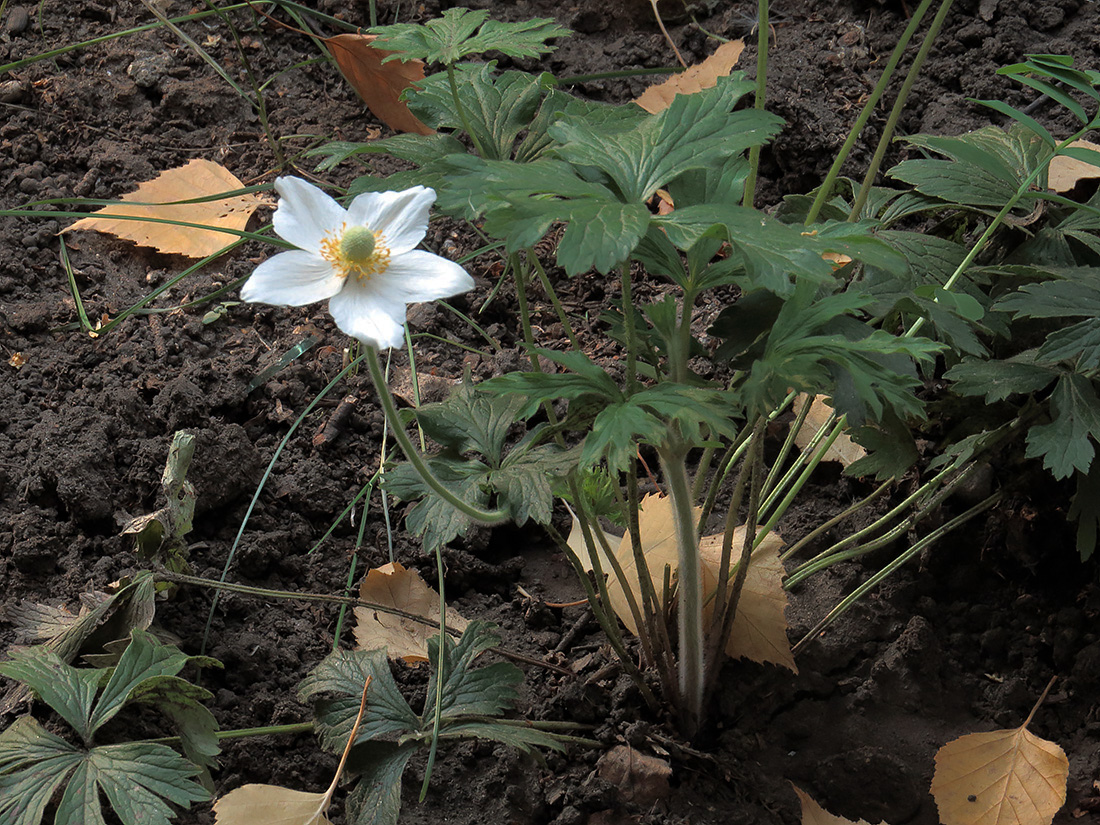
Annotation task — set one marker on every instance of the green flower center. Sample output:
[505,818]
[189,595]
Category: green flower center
[357,245]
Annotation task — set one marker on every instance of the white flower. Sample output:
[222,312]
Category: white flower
[362,259]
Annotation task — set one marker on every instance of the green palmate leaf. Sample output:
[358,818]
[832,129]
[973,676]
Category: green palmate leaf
[1064,443]
[1079,343]
[470,420]
[985,168]
[524,483]
[1056,299]
[181,702]
[433,518]
[556,104]
[343,674]
[419,149]
[497,107]
[138,779]
[470,691]
[68,691]
[1085,510]
[462,32]
[376,798]
[769,252]
[617,432]
[695,132]
[890,446]
[524,738]
[997,380]
[744,326]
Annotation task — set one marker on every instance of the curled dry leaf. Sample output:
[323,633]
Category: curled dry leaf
[1004,777]
[1065,172]
[814,814]
[642,780]
[702,76]
[843,449]
[195,179]
[271,805]
[379,84]
[394,586]
[759,629]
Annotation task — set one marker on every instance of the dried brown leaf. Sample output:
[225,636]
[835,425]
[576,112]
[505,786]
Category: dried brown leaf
[702,76]
[379,84]
[814,814]
[271,805]
[843,450]
[642,780]
[1065,172]
[1004,777]
[195,179]
[394,586]
[577,545]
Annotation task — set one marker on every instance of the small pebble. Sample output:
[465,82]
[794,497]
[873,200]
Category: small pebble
[18,20]
[13,91]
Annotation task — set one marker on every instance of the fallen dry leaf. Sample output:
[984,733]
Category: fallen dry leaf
[843,449]
[379,84]
[1064,172]
[814,814]
[1004,777]
[270,805]
[394,586]
[759,631]
[195,179]
[577,545]
[642,780]
[701,76]
[657,528]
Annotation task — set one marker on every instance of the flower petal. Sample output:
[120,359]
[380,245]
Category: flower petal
[421,276]
[401,217]
[306,214]
[364,314]
[292,278]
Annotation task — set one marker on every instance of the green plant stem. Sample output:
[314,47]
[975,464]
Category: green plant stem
[370,354]
[763,35]
[462,115]
[630,335]
[835,520]
[826,187]
[899,106]
[878,577]
[690,602]
[440,677]
[818,455]
[788,445]
[548,288]
[240,733]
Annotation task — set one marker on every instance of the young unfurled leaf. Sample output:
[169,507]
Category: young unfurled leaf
[843,450]
[271,805]
[157,200]
[1004,777]
[462,32]
[394,586]
[814,814]
[704,75]
[379,84]
[1066,171]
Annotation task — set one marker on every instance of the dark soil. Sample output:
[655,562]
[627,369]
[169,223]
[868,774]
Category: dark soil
[963,641]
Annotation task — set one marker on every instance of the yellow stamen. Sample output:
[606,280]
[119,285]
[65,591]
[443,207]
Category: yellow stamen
[356,250]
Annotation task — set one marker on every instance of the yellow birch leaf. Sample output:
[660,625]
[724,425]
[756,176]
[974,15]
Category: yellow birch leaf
[196,179]
[271,805]
[394,586]
[577,545]
[657,529]
[702,76]
[759,629]
[1004,777]
[814,814]
[843,449]
[379,84]
[1065,172]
